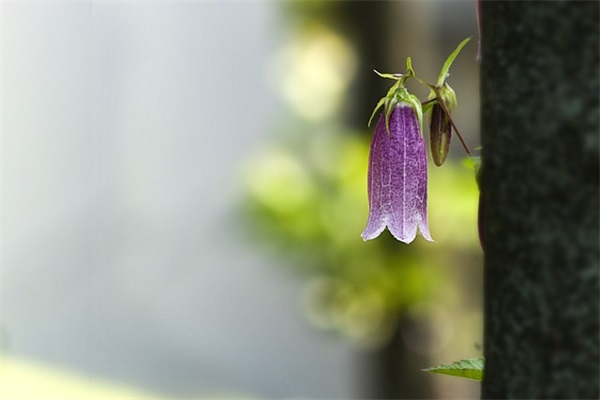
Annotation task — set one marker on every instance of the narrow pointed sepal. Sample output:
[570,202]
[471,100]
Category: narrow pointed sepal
[397,179]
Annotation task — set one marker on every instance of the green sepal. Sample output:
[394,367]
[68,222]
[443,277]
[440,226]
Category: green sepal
[415,103]
[448,96]
[388,76]
[472,368]
[383,100]
[446,67]
[427,105]
[410,72]
[377,107]
[389,107]
[398,94]
[402,96]
[411,99]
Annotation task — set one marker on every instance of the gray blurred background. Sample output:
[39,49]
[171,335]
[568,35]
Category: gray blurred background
[130,136]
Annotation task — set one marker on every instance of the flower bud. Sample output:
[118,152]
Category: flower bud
[440,132]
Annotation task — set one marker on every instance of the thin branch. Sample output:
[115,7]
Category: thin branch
[443,104]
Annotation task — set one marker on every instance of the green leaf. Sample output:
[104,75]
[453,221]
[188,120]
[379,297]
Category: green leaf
[471,162]
[471,368]
[444,72]
[474,162]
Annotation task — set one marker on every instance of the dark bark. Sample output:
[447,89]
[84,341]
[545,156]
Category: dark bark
[540,127]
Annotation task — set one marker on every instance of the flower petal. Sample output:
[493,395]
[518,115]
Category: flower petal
[397,180]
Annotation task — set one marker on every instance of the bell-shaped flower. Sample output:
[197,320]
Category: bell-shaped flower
[397,178]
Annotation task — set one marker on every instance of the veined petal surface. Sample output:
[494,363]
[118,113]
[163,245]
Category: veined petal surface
[397,179]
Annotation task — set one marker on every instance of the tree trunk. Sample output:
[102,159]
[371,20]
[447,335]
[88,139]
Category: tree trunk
[540,198]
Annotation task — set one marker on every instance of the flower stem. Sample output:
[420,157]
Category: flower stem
[443,104]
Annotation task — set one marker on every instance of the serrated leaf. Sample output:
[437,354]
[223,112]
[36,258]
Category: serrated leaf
[471,368]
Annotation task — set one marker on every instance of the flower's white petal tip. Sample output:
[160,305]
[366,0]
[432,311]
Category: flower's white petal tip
[405,240]
[397,177]
[372,233]
[425,233]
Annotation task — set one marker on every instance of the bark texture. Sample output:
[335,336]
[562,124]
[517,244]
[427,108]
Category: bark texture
[540,128]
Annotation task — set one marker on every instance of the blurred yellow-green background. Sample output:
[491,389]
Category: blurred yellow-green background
[183,192]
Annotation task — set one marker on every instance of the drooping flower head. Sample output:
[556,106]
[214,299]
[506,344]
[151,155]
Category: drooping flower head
[397,178]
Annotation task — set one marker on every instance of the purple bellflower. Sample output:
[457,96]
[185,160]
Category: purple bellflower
[397,181]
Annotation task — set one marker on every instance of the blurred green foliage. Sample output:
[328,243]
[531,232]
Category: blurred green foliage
[308,200]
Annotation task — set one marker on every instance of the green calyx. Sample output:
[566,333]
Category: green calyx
[398,94]
[441,93]
[444,94]
[448,96]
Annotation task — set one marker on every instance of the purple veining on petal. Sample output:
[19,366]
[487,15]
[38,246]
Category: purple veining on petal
[397,180]
[421,197]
